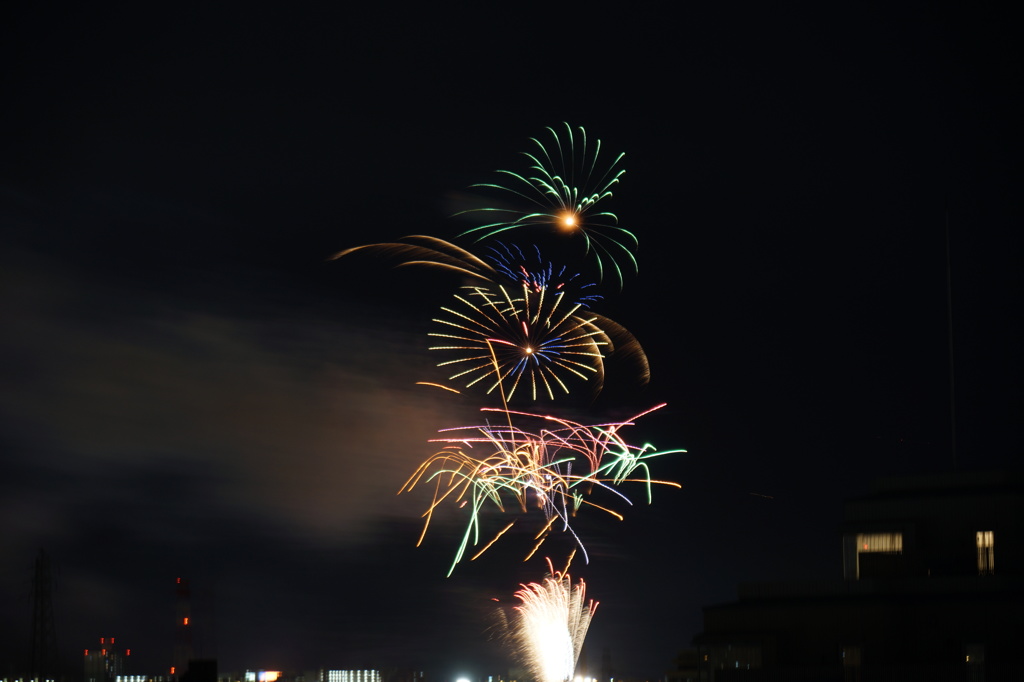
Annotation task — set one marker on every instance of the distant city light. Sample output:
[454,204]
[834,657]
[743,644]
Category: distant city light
[352,676]
[262,675]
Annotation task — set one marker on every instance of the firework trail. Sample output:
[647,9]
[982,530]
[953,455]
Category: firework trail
[562,187]
[425,251]
[549,626]
[529,462]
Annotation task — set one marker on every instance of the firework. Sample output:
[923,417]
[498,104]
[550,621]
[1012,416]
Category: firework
[514,270]
[530,461]
[549,626]
[534,337]
[536,274]
[562,187]
[522,326]
[509,264]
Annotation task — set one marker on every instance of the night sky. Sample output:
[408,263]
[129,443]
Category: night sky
[189,387]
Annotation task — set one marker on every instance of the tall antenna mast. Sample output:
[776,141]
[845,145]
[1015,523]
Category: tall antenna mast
[182,629]
[949,334]
[44,635]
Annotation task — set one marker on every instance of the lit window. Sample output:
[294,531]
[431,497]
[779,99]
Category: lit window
[986,551]
[884,543]
[877,543]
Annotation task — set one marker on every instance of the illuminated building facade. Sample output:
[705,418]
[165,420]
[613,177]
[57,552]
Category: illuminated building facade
[353,676]
[932,589]
[324,675]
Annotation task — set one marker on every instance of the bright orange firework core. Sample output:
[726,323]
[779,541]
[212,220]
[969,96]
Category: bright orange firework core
[569,221]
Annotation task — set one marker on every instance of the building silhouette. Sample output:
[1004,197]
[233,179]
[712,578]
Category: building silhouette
[105,663]
[932,589]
